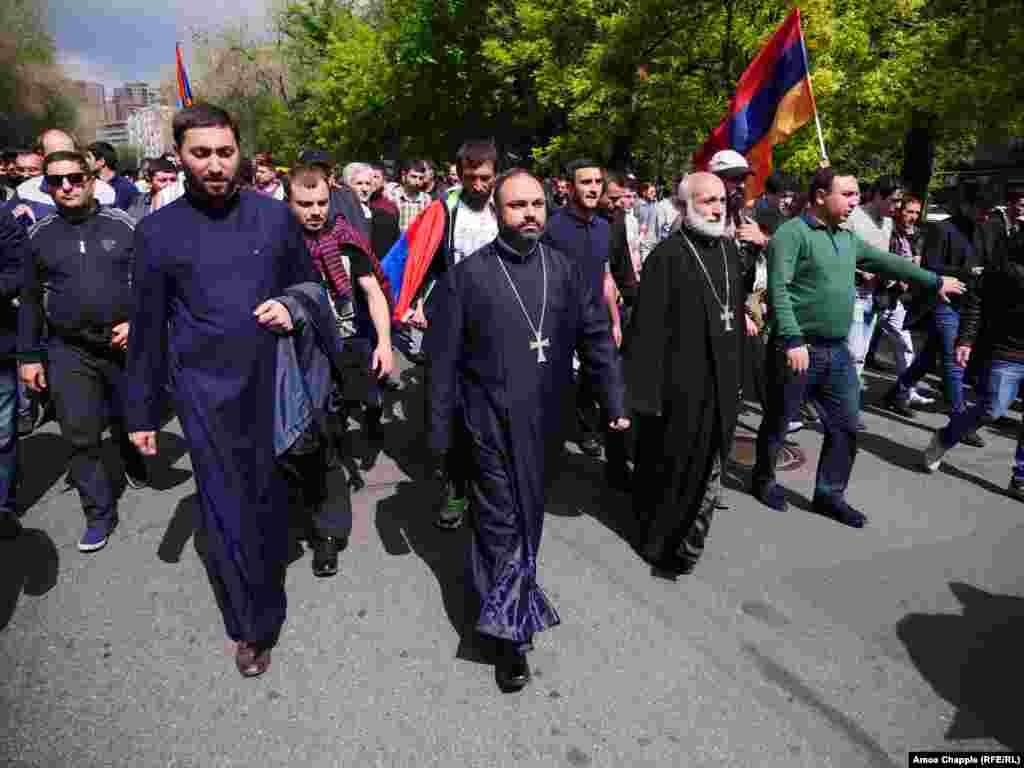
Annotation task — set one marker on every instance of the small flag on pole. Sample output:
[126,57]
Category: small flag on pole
[773,99]
[184,90]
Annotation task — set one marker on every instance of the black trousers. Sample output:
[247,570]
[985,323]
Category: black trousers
[87,387]
[306,467]
[592,422]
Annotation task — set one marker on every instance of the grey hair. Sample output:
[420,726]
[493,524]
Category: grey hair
[683,191]
[354,169]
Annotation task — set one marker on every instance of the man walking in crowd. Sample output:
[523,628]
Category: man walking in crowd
[78,284]
[585,237]
[683,366]
[162,174]
[342,258]
[471,222]
[106,169]
[211,270]
[410,196]
[500,360]
[624,270]
[950,249]
[267,181]
[13,254]
[992,327]
[34,197]
[811,265]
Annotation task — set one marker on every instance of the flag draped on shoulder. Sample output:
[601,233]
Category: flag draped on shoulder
[406,264]
[184,89]
[773,99]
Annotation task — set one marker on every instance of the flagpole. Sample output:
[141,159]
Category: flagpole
[810,88]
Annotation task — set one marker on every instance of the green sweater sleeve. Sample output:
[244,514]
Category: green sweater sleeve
[872,259]
[783,250]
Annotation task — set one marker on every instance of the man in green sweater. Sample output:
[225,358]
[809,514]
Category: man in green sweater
[811,265]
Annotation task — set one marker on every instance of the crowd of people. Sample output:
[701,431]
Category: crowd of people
[263,307]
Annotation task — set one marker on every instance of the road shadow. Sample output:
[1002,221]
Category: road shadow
[405,524]
[42,461]
[29,565]
[579,488]
[973,662]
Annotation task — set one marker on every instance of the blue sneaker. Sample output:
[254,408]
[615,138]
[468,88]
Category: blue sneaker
[95,536]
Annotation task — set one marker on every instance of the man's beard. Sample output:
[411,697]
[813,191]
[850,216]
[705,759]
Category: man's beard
[475,200]
[702,226]
[521,242]
[197,190]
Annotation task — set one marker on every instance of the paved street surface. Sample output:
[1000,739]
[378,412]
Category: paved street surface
[796,642]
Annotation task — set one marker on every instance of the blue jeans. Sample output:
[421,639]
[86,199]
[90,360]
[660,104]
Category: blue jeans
[8,438]
[831,382]
[861,329]
[1002,382]
[945,325]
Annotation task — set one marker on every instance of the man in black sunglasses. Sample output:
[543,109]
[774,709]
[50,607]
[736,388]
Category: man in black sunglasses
[81,259]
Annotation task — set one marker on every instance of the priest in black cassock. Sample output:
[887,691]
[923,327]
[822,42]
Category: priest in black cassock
[683,370]
[500,346]
[210,269]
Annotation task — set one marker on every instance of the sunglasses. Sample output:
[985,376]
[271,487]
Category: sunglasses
[56,180]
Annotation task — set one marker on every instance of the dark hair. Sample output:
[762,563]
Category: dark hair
[886,185]
[616,178]
[778,183]
[419,166]
[64,156]
[475,153]
[247,172]
[822,179]
[159,165]
[910,197]
[265,159]
[511,173]
[104,151]
[306,176]
[579,165]
[201,116]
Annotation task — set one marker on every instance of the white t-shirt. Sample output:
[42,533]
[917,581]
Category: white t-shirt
[473,229]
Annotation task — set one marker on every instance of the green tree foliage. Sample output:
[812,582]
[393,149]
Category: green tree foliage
[31,91]
[637,82]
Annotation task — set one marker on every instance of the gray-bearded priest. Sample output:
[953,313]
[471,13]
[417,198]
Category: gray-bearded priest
[683,369]
[504,325]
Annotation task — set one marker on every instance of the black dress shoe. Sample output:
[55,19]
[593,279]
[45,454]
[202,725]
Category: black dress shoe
[511,671]
[591,446]
[973,439]
[899,407]
[325,555]
[840,511]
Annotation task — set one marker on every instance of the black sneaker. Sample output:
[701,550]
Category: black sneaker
[898,405]
[840,511]
[325,555]
[1017,489]
[973,439]
[27,423]
[135,482]
[591,446]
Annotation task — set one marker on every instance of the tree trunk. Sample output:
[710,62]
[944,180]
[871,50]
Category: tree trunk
[919,155]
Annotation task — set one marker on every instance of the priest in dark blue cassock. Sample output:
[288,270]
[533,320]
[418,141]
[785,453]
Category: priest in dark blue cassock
[504,325]
[211,272]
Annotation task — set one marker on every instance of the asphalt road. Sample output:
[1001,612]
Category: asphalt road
[796,642]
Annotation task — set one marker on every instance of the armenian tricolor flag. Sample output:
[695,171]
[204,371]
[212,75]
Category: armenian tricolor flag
[773,99]
[406,264]
[184,90]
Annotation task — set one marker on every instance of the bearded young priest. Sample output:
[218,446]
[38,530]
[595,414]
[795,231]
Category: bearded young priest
[683,369]
[499,357]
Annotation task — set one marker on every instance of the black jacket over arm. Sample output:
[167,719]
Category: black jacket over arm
[13,252]
[992,317]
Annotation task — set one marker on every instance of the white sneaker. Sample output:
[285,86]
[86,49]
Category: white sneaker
[932,456]
[918,399]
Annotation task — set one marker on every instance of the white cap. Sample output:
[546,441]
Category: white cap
[729,162]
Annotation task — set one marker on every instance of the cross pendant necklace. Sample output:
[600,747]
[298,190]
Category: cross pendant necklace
[539,343]
[727,314]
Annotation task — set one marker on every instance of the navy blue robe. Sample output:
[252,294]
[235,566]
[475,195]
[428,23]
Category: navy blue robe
[482,368]
[199,274]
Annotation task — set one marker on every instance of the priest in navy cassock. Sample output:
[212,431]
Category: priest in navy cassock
[683,368]
[208,268]
[500,347]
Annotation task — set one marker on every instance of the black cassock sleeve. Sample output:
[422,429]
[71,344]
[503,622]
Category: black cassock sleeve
[596,350]
[443,346]
[146,367]
[649,334]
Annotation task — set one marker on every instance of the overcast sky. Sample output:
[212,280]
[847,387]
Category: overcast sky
[117,41]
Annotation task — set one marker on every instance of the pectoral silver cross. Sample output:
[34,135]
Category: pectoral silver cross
[727,316]
[539,344]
